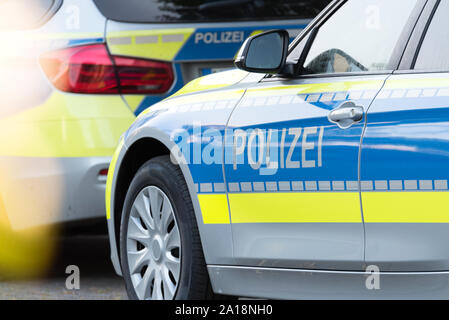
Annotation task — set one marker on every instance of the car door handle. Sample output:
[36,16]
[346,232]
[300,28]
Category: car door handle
[346,114]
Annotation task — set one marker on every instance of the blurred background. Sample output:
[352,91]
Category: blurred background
[74,74]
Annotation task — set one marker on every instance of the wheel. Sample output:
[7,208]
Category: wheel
[160,246]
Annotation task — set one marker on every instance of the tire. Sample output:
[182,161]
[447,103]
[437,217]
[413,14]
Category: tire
[159,180]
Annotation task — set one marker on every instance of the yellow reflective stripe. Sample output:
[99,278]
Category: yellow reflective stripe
[134,101]
[305,207]
[110,178]
[66,125]
[332,207]
[213,81]
[406,207]
[69,106]
[151,44]
[214,208]
[81,138]
[318,88]
[207,99]
[255,32]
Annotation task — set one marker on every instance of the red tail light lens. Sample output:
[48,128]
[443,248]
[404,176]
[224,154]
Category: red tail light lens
[103,172]
[90,69]
[85,69]
[143,76]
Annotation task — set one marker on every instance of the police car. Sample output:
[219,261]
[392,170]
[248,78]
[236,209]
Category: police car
[316,170]
[75,73]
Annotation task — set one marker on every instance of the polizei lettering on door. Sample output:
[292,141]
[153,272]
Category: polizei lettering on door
[267,150]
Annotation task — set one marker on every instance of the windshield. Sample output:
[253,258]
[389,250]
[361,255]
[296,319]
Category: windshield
[208,10]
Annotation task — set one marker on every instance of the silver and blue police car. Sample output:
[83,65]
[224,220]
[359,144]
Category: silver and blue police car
[315,170]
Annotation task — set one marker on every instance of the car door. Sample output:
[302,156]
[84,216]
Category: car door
[405,156]
[293,186]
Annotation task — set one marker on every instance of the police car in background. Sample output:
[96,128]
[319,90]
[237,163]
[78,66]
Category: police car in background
[317,171]
[187,39]
[75,73]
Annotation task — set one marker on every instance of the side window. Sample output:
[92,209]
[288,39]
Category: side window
[434,52]
[360,36]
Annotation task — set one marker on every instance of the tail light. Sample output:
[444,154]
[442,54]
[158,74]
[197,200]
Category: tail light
[102,175]
[90,69]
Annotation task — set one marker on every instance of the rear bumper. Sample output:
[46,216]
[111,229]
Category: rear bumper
[43,191]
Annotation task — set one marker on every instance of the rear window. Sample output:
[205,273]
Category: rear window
[26,14]
[154,11]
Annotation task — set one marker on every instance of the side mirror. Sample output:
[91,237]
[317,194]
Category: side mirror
[264,53]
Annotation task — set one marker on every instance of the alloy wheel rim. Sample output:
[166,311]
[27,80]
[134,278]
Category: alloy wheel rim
[153,246]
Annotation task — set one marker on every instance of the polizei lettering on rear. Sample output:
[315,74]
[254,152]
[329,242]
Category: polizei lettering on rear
[219,37]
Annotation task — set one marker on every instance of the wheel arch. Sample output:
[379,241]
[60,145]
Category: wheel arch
[136,155]
[146,145]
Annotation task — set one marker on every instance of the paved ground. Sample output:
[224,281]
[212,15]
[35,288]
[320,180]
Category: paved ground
[97,277]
